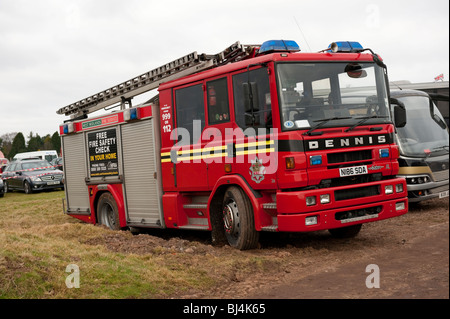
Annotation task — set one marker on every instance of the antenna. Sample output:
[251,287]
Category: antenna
[306,41]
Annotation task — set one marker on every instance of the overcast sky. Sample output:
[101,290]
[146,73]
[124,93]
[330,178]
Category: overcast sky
[54,52]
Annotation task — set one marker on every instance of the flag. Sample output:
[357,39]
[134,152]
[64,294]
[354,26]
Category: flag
[440,77]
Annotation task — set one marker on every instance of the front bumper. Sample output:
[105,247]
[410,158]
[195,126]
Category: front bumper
[349,205]
[38,185]
[420,192]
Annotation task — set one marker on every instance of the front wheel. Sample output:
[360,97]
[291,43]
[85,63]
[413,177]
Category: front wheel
[238,219]
[27,188]
[108,212]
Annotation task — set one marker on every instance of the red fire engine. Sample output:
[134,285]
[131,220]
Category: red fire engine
[255,138]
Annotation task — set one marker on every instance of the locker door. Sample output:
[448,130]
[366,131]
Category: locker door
[77,195]
[142,189]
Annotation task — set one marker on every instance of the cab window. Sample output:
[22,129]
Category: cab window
[217,99]
[263,116]
[190,112]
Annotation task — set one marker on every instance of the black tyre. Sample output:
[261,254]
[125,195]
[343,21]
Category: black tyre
[238,220]
[108,212]
[27,188]
[346,232]
[5,187]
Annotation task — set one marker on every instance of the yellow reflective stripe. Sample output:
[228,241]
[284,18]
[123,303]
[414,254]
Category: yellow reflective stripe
[254,144]
[220,148]
[196,157]
[257,151]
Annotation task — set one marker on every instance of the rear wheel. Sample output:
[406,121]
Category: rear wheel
[238,219]
[108,212]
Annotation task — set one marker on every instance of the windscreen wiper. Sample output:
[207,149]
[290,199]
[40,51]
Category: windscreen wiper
[440,148]
[325,121]
[363,120]
[436,149]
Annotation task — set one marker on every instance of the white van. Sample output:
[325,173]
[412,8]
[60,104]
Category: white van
[48,155]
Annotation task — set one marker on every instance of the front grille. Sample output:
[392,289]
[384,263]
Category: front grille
[345,194]
[358,214]
[49,178]
[440,176]
[344,157]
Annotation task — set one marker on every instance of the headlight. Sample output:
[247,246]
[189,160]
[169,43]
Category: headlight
[310,200]
[388,189]
[325,198]
[36,179]
[311,220]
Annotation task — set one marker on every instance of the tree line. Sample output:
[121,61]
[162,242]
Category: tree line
[13,143]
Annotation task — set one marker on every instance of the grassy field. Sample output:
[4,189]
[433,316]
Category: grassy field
[38,241]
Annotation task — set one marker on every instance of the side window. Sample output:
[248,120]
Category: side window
[217,97]
[190,112]
[264,114]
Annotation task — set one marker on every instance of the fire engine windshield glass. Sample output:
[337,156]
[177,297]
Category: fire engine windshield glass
[425,132]
[339,94]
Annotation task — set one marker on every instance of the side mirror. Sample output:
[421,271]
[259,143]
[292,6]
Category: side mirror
[251,100]
[399,113]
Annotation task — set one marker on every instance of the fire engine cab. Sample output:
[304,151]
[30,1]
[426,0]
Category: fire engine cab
[254,138]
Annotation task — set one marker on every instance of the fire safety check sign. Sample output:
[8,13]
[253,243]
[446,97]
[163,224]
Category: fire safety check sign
[103,153]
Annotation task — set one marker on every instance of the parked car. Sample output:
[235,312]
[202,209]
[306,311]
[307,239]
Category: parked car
[58,163]
[3,163]
[31,175]
[2,192]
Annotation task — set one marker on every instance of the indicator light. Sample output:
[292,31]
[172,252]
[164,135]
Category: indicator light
[290,163]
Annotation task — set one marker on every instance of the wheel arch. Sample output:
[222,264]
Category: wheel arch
[216,199]
[116,193]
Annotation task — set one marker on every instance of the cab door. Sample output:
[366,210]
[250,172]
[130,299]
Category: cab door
[191,170]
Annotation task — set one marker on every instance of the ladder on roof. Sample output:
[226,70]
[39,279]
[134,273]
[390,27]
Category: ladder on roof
[186,65]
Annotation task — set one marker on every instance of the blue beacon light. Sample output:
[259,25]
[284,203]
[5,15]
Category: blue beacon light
[345,46]
[279,46]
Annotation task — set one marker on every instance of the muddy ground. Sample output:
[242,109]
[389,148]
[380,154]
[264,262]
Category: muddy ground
[410,255]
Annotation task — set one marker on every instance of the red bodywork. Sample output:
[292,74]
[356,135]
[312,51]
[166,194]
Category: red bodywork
[284,186]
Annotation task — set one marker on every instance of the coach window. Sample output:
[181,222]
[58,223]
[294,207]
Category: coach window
[190,112]
[217,98]
[262,117]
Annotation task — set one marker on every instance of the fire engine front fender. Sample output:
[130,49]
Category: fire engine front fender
[218,192]
[115,190]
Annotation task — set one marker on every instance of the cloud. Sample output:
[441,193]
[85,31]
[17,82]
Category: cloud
[53,53]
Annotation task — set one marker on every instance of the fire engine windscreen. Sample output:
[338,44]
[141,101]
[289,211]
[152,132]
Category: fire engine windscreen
[340,94]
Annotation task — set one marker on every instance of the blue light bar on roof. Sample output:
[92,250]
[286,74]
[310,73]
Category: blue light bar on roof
[345,46]
[279,46]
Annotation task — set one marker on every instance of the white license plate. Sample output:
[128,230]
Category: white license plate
[53,183]
[355,170]
[443,194]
